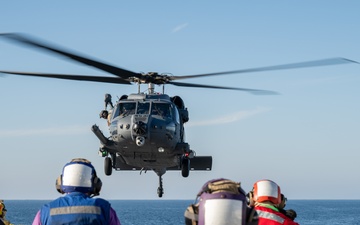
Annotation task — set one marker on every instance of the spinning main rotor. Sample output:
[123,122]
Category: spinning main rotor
[123,76]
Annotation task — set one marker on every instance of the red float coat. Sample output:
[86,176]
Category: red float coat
[268,216]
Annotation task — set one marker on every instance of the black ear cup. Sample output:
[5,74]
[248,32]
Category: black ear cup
[283,202]
[58,184]
[97,185]
[250,197]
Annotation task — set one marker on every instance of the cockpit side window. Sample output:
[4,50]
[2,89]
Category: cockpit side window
[161,109]
[177,115]
[116,112]
[143,108]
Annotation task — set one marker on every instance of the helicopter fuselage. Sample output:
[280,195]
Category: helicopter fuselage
[146,131]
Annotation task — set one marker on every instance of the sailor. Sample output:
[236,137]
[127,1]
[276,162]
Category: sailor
[268,202]
[221,202]
[108,101]
[3,210]
[80,184]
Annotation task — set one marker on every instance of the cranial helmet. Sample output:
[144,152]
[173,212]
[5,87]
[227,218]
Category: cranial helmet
[266,190]
[220,201]
[78,176]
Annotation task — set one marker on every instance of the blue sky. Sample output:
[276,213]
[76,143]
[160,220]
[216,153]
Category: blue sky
[306,139]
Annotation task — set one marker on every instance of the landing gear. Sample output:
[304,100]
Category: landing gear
[185,166]
[160,172]
[108,166]
[160,190]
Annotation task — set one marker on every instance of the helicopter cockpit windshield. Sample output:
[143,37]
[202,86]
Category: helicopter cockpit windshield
[143,108]
[125,109]
[161,109]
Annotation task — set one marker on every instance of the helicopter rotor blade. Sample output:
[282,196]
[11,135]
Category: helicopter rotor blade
[126,76]
[252,91]
[315,63]
[115,80]
[22,39]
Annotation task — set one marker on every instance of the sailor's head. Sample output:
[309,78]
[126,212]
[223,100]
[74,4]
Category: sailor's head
[265,191]
[79,175]
[104,114]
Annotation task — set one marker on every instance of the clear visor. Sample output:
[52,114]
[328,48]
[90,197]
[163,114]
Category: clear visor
[78,175]
[223,212]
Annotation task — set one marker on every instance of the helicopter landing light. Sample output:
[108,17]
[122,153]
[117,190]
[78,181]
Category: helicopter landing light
[161,149]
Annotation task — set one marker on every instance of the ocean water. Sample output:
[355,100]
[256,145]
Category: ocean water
[171,212]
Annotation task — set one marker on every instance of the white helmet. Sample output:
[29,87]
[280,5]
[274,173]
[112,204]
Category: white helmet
[79,176]
[266,190]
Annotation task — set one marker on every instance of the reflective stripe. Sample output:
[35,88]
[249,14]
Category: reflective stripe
[269,206]
[270,216]
[75,209]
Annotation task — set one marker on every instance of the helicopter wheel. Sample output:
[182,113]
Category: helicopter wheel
[108,166]
[185,167]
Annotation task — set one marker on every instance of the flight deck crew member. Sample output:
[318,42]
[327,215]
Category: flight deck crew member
[221,202]
[266,198]
[80,184]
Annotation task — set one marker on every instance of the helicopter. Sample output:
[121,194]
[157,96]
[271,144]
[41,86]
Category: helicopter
[147,129]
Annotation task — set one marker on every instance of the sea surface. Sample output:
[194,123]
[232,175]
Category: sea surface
[171,212]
